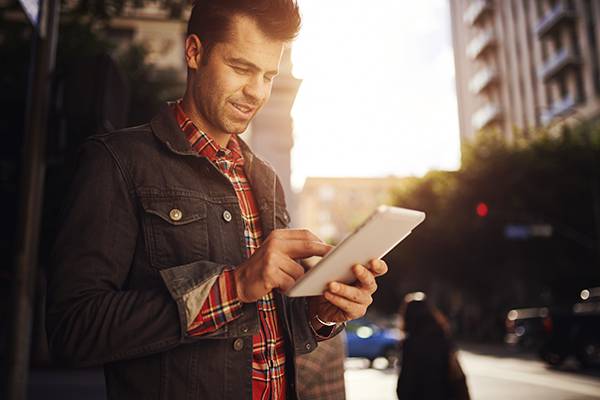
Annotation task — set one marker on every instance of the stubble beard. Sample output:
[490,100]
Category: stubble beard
[229,125]
[224,123]
[232,125]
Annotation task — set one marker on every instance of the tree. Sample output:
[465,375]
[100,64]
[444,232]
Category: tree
[150,87]
[551,180]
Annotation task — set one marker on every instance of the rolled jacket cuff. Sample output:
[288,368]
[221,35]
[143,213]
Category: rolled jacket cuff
[190,285]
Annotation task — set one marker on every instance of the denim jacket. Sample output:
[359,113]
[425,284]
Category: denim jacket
[122,267]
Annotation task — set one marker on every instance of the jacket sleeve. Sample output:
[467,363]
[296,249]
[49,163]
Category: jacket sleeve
[92,316]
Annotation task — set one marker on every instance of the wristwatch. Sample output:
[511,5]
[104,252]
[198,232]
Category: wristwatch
[320,327]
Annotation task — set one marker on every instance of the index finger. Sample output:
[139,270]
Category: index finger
[304,248]
[295,234]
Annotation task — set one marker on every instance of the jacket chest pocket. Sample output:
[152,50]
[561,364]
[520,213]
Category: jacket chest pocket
[175,230]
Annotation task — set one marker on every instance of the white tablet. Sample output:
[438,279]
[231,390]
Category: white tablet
[379,234]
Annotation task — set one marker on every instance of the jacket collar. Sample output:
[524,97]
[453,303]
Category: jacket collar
[166,129]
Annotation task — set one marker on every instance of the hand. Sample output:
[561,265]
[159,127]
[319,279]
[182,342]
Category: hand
[272,266]
[341,303]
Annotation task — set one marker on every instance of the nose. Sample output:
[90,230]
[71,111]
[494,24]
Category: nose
[257,89]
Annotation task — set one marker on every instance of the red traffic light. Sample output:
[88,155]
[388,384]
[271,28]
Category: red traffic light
[482,210]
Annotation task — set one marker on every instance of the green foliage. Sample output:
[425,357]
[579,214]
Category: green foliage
[150,86]
[82,35]
[553,179]
[106,9]
[79,39]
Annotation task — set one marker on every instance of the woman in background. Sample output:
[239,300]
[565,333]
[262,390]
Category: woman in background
[430,369]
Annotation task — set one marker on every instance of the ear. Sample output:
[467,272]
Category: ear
[193,51]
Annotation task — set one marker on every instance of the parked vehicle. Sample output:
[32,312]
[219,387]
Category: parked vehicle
[365,339]
[527,328]
[576,333]
[559,332]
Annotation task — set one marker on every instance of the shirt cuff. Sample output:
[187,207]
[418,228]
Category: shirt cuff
[221,306]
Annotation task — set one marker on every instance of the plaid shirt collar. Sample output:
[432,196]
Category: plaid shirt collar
[203,144]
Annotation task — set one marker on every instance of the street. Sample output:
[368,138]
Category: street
[491,375]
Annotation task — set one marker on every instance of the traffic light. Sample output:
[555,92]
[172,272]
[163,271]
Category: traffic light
[482,209]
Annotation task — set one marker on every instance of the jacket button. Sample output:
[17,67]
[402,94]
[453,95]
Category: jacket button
[227,216]
[238,344]
[175,214]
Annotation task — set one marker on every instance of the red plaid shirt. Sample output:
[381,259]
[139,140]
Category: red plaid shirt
[222,304]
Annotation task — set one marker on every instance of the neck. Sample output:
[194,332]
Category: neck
[221,138]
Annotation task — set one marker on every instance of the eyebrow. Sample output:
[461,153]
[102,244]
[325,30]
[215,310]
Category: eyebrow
[250,65]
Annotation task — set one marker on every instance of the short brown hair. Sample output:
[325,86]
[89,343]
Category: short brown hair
[210,19]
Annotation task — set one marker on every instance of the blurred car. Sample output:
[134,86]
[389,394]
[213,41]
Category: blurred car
[366,339]
[559,332]
[576,333]
[527,328]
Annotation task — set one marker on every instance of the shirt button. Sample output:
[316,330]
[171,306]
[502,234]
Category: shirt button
[238,344]
[175,214]
[308,346]
[245,329]
[227,216]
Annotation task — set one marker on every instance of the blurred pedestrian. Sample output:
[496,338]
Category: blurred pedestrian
[430,367]
[175,245]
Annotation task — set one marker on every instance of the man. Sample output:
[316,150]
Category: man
[173,253]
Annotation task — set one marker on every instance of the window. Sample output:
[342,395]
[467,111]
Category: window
[563,86]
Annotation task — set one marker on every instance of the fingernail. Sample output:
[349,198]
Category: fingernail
[334,287]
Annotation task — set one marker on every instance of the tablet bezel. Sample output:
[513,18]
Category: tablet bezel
[376,227]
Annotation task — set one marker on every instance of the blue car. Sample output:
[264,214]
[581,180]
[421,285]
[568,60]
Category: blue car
[366,339]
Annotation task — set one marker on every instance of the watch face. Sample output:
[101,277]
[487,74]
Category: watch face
[326,331]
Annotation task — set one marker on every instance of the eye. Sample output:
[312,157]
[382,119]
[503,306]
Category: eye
[241,70]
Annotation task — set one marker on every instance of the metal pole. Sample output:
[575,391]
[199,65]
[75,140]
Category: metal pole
[31,189]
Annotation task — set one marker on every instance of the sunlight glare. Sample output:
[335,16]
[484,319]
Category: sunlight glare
[378,94]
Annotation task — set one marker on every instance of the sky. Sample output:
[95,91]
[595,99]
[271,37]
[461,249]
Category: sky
[378,94]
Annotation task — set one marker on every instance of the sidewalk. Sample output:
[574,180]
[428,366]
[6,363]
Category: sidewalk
[88,384]
[497,350]
[501,351]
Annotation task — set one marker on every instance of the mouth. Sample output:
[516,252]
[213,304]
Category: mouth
[243,109]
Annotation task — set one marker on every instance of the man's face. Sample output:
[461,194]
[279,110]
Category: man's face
[234,82]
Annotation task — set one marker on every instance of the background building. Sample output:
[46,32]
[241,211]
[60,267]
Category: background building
[525,63]
[271,132]
[333,207]
[156,28]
